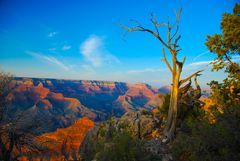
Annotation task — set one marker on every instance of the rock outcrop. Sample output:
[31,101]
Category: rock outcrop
[104,96]
[141,124]
[65,142]
[54,109]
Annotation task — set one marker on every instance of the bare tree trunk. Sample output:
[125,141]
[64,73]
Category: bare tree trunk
[170,127]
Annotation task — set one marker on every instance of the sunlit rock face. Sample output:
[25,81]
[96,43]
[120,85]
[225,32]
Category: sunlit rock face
[102,96]
[136,97]
[65,142]
[61,102]
[54,109]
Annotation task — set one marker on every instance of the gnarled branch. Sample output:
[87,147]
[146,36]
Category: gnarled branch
[142,29]
[154,34]
[176,41]
[175,33]
[186,87]
[154,22]
[188,78]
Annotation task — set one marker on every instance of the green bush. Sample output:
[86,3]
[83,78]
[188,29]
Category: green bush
[164,108]
[122,148]
[110,144]
[203,141]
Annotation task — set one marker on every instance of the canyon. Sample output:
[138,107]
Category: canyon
[69,108]
[62,102]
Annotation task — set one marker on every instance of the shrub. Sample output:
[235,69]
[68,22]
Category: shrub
[210,142]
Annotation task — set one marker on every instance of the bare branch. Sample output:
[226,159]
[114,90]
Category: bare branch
[140,28]
[178,50]
[154,22]
[180,64]
[184,59]
[169,34]
[232,63]
[178,14]
[175,33]
[166,61]
[185,88]
[136,21]
[188,78]
[176,40]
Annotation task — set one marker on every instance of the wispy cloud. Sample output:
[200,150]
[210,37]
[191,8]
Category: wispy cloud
[200,63]
[94,52]
[52,34]
[186,67]
[49,59]
[146,70]
[201,54]
[206,63]
[66,47]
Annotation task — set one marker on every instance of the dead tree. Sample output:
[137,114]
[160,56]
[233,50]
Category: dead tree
[178,85]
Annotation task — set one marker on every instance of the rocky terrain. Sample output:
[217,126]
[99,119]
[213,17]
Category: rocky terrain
[65,142]
[66,99]
[104,96]
[54,109]
[142,126]
[62,144]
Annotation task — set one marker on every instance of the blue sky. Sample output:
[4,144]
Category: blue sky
[82,39]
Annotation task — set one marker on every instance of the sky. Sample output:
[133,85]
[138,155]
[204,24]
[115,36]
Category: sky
[83,40]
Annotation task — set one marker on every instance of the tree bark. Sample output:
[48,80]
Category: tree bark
[170,127]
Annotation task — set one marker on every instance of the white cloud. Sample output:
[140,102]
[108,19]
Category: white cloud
[66,47]
[52,34]
[206,63]
[186,67]
[200,63]
[146,70]
[94,52]
[201,54]
[50,59]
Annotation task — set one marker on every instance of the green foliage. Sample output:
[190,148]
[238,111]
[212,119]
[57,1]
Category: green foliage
[210,142]
[5,88]
[123,147]
[163,109]
[219,141]
[109,143]
[225,94]
[227,44]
